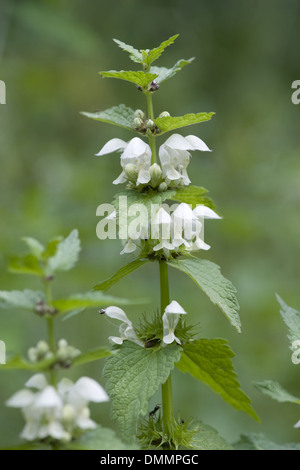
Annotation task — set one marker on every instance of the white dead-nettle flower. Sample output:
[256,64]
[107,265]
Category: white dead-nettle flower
[56,412]
[170,320]
[174,156]
[161,228]
[126,330]
[135,153]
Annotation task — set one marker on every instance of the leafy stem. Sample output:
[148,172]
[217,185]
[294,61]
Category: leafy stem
[166,388]
[151,137]
[50,328]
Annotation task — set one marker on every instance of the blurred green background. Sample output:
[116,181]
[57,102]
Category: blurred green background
[247,57]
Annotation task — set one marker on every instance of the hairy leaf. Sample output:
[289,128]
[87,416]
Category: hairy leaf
[150,56]
[169,123]
[66,254]
[207,438]
[253,441]
[210,360]
[139,77]
[134,374]
[99,439]
[275,391]
[291,318]
[220,290]
[35,247]
[121,116]
[28,264]
[134,54]
[164,73]
[27,299]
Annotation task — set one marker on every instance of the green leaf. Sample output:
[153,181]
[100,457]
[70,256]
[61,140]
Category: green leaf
[51,247]
[27,299]
[253,441]
[134,54]
[19,363]
[90,356]
[207,438]
[99,439]
[28,264]
[209,360]
[121,116]
[35,247]
[164,73]
[122,272]
[139,77]
[220,290]
[291,318]
[134,374]
[193,195]
[275,391]
[169,123]
[66,254]
[154,54]
[89,299]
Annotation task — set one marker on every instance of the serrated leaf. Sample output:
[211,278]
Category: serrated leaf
[150,56]
[27,299]
[66,254]
[51,247]
[209,360]
[121,116]
[28,264]
[134,54]
[122,272]
[35,247]
[253,441]
[220,290]
[90,356]
[291,318]
[193,195]
[89,299]
[134,374]
[275,391]
[99,439]
[169,123]
[207,438]
[139,77]
[19,363]
[164,73]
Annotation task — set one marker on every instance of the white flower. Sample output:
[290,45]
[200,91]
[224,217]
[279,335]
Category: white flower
[170,320]
[56,413]
[297,425]
[174,156]
[161,226]
[135,152]
[126,330]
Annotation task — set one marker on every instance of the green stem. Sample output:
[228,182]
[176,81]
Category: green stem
[166,388]
[151,137]
[50,329]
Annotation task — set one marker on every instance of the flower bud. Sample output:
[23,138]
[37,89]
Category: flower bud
[155,174]
[32,354]
[131,172]
[42,348]
[62,344]
[151,124]
[162,187]
[139,114]
[164,114]
[138,123]
[154,86]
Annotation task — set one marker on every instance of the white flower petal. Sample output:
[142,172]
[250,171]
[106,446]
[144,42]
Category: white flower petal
[30,431]
[143,176]
[117,313]
[197,144]
[199,244]
[111,146]
[121,179]
[21,399]
[37,381]
[205,212]
[115,340]
[169,338]
[178,142]
[64,386]
[90,390]
[136,147]
[48,398]
[129,247]
[175,307]
[297,425]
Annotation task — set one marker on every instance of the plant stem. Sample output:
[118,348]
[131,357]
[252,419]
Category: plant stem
[151,137]
[50,329]
[166,388]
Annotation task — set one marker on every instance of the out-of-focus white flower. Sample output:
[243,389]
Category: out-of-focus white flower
[297,425]
[135,152]
[56,413]
[126,330]
[174,156]
[170,320]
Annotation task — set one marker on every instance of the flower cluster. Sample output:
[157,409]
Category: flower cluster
[58,413]
[170,320]
[136,165]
